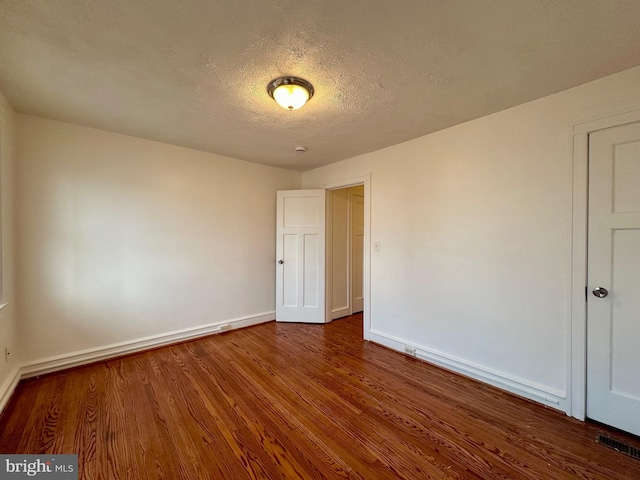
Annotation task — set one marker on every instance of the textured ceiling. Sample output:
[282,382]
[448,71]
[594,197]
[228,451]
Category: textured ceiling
[194,72]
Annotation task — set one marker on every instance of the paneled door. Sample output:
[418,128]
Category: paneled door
[613,297]
[300,256]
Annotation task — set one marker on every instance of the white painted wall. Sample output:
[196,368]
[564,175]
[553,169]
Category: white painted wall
[475,230]
[123,238]
[8,321]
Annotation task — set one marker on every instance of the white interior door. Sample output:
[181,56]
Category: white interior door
[613,305]
[357,252]
[300,253]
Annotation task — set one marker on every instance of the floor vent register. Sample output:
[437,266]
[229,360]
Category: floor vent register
[619,446]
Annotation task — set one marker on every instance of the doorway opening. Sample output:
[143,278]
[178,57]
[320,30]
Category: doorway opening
[596,146]
[345,251]
[304,264]
[364,181]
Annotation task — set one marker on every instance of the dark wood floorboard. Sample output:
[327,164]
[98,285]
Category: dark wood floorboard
[289,401]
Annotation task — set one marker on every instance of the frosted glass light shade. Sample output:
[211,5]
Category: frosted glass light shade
[290,92]
[291,97]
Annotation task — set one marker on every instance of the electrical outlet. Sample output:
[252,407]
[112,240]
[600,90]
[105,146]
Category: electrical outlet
[224,328]
[410,350]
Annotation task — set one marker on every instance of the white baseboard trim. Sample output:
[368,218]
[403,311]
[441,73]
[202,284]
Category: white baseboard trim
[340,312]
[518,386]
[8,387]
[83,357]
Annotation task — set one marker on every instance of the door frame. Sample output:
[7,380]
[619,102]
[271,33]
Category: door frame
[364,179]
[577,347]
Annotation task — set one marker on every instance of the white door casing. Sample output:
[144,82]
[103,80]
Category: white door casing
[613,321]
[300,256]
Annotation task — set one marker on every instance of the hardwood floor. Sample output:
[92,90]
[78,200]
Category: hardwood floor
[296,401]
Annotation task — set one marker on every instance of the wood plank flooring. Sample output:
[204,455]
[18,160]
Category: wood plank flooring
[289,401]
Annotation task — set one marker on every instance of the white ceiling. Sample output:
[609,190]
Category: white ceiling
[194,72]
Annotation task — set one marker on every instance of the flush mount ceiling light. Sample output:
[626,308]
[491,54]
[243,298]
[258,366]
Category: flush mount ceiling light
[290,92]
